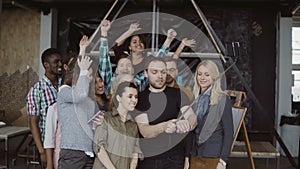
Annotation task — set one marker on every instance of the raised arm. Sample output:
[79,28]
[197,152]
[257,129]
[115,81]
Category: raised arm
[105,69]
[185,42]
[81,89]
[84,42]
[171,34]
[132,28]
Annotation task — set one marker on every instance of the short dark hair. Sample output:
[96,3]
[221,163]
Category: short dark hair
[120,89]
[152,58]
[47,53]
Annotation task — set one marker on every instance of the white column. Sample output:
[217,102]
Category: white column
[45,37]
[284,70]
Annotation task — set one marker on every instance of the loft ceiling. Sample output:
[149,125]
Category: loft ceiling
[287,7]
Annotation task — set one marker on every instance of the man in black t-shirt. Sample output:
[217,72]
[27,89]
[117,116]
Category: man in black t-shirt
[157,112]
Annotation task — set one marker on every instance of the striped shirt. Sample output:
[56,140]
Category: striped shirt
[39,98]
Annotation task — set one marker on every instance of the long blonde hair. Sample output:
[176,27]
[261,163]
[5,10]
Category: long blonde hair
[214,73]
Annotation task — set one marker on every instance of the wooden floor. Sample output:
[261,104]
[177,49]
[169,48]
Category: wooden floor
[259,150]
[244,163]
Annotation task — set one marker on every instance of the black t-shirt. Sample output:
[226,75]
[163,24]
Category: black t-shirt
[161,107]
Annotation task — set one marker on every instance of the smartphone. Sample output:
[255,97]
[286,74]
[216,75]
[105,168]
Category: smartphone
[99,112]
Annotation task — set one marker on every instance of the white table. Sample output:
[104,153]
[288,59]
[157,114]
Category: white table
[2,124]
[8,132]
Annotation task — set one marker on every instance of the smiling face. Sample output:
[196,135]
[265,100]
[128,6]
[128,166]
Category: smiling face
[128,99]
[157,73]
[124,66]
[136,44]
[99,86]
[53,64]
[204,78]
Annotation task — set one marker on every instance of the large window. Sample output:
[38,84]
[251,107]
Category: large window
[296,63]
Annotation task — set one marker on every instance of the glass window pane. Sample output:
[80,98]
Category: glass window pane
[296,45]
[296,86]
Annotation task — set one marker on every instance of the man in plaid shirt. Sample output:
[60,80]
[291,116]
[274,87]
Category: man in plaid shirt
[42,95]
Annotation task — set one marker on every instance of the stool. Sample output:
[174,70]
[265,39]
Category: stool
[32,156]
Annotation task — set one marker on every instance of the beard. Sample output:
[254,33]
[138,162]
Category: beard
[169,80]
[55,72]
[157,86]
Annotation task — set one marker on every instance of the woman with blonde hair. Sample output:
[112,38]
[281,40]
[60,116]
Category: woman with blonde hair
[212,138]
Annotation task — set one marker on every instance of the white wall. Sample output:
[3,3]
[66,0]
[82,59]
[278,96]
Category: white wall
[284,72]
[45,38]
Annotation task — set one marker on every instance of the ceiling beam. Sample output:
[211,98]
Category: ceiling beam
[285,6]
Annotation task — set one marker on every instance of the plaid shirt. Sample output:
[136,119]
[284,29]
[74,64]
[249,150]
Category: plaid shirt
[39,98]
[105,69]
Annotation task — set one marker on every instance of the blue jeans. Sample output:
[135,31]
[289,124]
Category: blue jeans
[171,162]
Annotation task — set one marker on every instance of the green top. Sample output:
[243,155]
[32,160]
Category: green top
[119,139]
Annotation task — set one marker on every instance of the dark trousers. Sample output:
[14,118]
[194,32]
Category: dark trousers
[74,159]
[171,162]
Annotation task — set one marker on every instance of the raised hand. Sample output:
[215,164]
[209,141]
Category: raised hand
[84,63]
[84,42]
[189,42]
[134,27]
[171,34]
[105,26]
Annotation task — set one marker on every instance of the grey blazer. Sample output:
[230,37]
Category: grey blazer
[218,145]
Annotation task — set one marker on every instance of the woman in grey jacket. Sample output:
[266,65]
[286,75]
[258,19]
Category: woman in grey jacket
[214,132]
[75,107]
